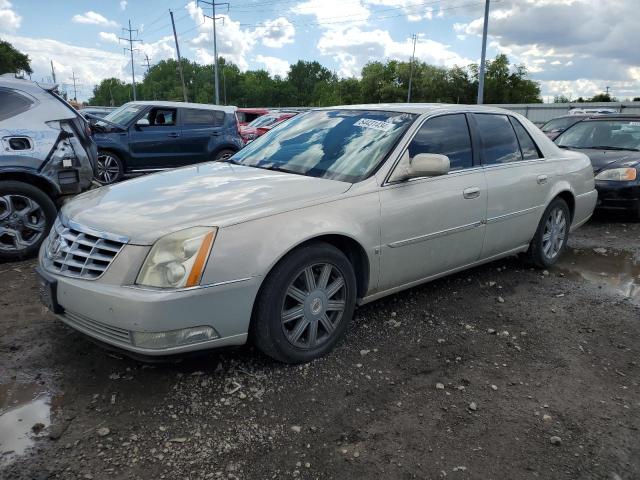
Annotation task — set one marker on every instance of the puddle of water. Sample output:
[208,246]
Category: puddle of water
[22,405]
[615,271]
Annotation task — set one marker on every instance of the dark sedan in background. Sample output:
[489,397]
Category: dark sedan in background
[555,127]
[613,145]
[141,137]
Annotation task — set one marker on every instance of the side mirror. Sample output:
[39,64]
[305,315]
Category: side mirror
[428,165]
[143,122]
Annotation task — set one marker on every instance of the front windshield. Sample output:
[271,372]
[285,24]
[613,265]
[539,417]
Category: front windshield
[263,121]
[124,114]
[559,124]
[345,145]
[602,134]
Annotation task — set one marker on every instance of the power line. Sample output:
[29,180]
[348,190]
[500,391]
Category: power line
[213,18]
[131,49]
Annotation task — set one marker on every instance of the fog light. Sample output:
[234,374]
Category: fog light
[174,338]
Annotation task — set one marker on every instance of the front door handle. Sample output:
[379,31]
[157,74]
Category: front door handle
[471,192]
[173,134]
[542,179]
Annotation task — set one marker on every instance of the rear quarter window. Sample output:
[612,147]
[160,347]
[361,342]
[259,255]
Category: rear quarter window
[201,117]
[529,148]
[13,103]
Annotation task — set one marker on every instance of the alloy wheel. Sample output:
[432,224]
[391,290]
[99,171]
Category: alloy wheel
[313,306]
[555,230]
[22,222]
[108,169]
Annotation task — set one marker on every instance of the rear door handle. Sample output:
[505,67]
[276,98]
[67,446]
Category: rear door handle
[471,192]
[542,179]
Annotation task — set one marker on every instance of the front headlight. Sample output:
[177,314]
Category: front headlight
[177,260]
[618,174]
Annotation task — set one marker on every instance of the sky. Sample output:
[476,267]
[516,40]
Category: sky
[572,47]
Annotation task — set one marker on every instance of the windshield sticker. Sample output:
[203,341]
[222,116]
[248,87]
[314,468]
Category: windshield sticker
[375,124]
[635,124]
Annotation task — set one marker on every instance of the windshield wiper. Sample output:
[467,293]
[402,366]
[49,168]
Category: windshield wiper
[606,147]
[275,168]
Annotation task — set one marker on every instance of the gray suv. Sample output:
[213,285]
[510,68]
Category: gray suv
[46,152]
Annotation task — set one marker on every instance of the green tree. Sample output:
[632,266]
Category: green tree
[303,77]
[602,97]
[13,61]
[111,92]
[561,99]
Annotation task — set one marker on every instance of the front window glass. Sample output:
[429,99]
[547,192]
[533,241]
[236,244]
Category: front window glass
[603,134]
[345,145]
[124,114]
[447,135]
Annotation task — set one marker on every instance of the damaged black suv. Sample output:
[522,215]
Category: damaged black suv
[46,153]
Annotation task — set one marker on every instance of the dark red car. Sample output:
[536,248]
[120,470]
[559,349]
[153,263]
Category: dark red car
[263,124]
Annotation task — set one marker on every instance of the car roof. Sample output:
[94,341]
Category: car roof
[420,108]
[617,116]
[203,106]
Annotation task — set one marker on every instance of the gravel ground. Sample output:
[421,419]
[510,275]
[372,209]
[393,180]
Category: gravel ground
[501,372]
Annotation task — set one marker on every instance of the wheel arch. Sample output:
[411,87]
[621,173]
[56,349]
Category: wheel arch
[30,178]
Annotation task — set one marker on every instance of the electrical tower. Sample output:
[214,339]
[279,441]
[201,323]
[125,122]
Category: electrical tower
[131,49]
[73,79]
[213,18]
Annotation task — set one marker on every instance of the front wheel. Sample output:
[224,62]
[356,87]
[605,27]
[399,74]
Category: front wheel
[26,215]
[223,155]
[109,168]
[305,305]
[552,235]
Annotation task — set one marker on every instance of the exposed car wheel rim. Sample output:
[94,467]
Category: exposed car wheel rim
[22,222]
[108,168]
[313,306]
[555,231]
[224,155]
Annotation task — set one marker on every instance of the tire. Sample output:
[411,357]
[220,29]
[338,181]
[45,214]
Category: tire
[109,168]
[223,155]
[26,216]
[317,311]
[551,236]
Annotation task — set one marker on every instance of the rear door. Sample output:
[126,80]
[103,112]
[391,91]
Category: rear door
[517,179]
[434,224]
[157,145]
[201,132]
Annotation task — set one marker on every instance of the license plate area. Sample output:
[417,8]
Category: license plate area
[48,289]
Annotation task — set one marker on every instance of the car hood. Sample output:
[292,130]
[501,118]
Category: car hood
[216,194]
[601,159]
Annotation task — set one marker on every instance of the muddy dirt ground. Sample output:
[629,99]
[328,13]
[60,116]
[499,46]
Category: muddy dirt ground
[501,372]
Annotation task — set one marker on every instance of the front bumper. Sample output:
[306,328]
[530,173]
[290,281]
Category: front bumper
[111,313]
[618,195]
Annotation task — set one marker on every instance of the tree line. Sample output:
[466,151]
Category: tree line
[308,83]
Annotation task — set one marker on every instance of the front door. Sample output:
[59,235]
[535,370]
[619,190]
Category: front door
[436,224]
[156,145]
[518,180]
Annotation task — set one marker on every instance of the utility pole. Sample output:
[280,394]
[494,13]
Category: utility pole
[213,18]
[75,92]
[484,54]
[131,49]
[147,62]
[53,72]
[608,89]
[413,56]
[175,37]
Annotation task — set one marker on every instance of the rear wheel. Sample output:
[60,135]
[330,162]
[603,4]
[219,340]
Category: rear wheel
[223,155]
[552,234]
[26,215]
[305,305]
[109,168]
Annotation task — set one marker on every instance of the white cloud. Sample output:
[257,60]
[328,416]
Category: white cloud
[334,14]
[414,11]
[9,19]
[353,48]
[275,33]
[93,18]
[273,65]
[108,37]
[123,4]
[160,49]
[233,43]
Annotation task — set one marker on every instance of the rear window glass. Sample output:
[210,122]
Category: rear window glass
[13,103]
[527,145]
[499,142]
[193,116]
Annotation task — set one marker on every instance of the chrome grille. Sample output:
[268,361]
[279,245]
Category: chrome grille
[75,251]
[95,328]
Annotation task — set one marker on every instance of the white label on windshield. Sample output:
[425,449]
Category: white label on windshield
[375,124]
[635,124]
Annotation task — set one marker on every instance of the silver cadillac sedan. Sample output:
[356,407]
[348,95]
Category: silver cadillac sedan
[335,208]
